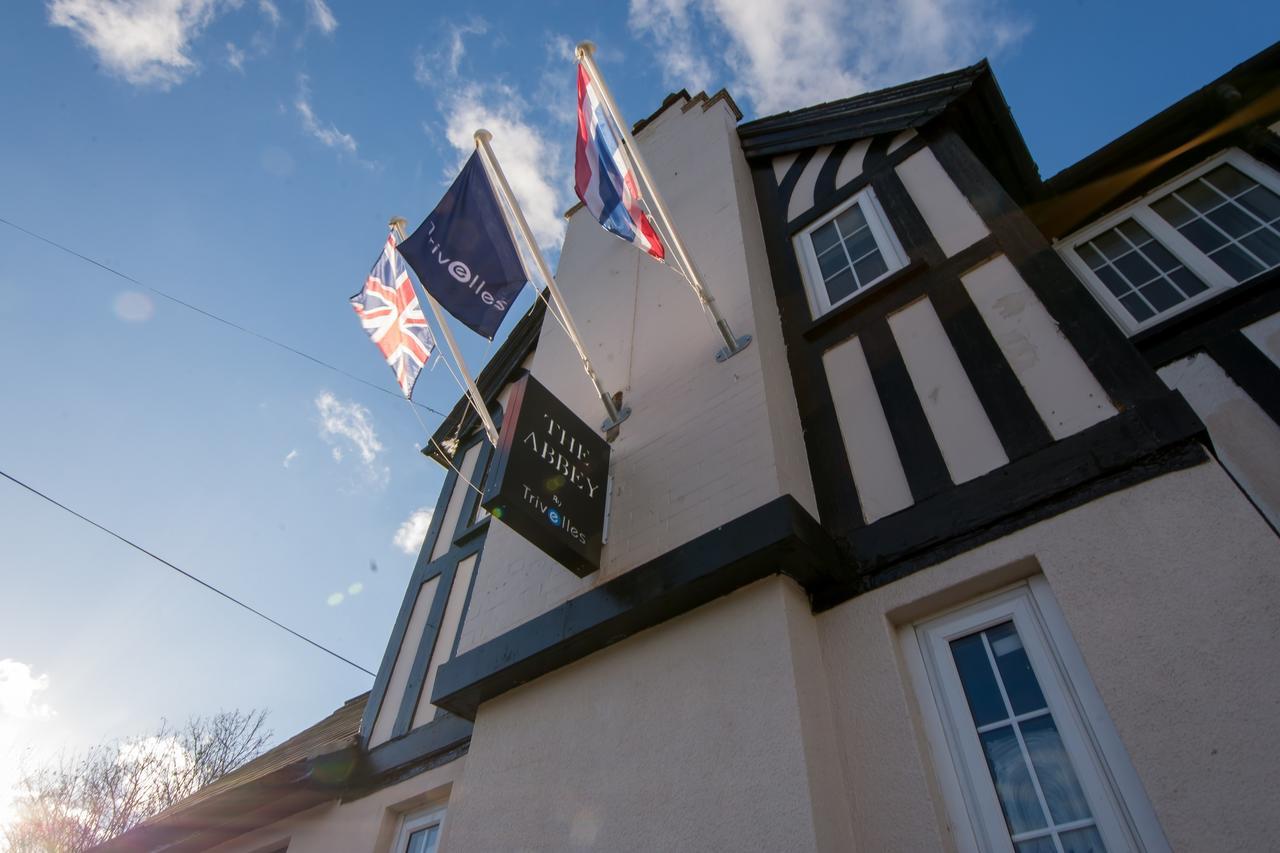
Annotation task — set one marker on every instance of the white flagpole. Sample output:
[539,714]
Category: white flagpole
[472,391]
[486,154]
[732,345]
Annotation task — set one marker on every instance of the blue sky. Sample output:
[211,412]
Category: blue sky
[245,156]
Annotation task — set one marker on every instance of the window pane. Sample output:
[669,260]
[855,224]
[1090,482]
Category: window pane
[423,841]
[1036,845]
[1233,220]
[1237,264]
[1160,256]
[1136,268]
[1161,295]
[1089,255]
[1015,670]
[851,220]
[870,268]
[841,285]
[824,238]
[1057,777]
[1261,202]
[1205,236]
[1188,282]
[832,261]
[1174,211]
[1137,309]
[860,243]
[979,682]
[1265,244]
[1087,840]
[1117,285]
[1135,232]
[1200,196]
[1013,780]
[1111,244]
[1229,180]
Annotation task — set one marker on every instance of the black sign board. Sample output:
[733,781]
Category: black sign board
[548,478]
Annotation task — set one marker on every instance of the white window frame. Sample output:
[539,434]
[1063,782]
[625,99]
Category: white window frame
[414,821]
[886,241]
[1217,279]
[1121,809]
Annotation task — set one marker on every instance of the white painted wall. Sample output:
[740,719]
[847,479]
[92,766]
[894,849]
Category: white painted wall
[706,441]
[960,425]
[449,622]
[802,197]
[1245,438]
[712,731]
[1265,335]
[952,220]
[386,718]
[1060,386]
[1171,591]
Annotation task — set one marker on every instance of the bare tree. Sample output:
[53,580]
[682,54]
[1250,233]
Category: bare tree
[82,800]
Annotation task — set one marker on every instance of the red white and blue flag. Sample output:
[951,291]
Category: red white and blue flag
[388,309]
[604,177]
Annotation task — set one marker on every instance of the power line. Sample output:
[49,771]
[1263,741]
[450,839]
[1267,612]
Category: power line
[212,316]
[185,574]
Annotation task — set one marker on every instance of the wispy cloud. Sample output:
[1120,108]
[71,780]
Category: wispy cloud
[413,531]
[146,42]
[783,54]
[236,56]
[270,11]
[327,133]
[320,16]
[443,63]
[20,689]
[350,425]
[289,457]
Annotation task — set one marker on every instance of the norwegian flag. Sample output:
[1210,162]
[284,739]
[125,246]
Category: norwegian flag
[388,309]
[604,178]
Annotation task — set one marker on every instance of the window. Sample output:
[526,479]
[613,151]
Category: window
[1185,242]
[1031,762]
[420,832]
[847,251]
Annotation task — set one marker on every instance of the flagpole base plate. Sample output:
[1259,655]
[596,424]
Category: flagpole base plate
[610,424]
[724,354]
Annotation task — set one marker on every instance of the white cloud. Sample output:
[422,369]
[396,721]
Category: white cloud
[270,11]
[289,457]
[533,165]
[320,16]
[413,531]
[19,689]
[235,56]
[334,599]
[351,424]
[442,65]
[328,134]
[144,41]
[784,54]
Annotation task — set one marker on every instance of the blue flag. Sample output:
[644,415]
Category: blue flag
[463,253]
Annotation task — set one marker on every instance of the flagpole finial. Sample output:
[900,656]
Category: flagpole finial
[397,224]
[482,136]
[585,48]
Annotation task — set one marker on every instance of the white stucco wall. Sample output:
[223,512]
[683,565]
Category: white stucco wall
[712,731]
[1171,589]
[706,441]
[1245,438]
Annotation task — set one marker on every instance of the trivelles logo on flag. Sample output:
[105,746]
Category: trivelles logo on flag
[463,253]
[604,178]
[388,309]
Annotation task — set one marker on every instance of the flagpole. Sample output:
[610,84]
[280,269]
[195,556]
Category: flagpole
[486,154]
[397,224]
[732,345]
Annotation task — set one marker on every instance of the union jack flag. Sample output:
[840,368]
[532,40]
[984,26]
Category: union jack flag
[388,309]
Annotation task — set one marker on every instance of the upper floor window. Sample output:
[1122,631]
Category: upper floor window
[419,832]
[847,251]
[1185,242]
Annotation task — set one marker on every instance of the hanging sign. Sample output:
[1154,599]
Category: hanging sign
[548,479]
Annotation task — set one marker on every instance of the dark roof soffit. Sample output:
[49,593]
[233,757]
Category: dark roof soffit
[896,108]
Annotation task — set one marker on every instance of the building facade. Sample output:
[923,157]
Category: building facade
[973,548]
